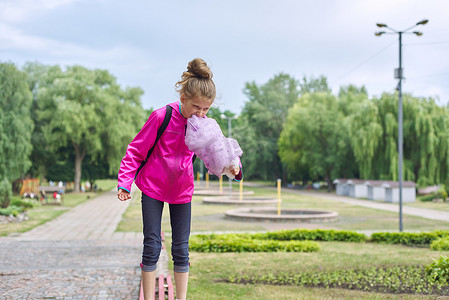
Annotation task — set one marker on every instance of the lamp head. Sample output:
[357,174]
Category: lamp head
[380,25]
[423,22]
[417,33]
[379,33]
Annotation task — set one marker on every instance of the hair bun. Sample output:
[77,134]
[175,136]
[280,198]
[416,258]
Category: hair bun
[199,69]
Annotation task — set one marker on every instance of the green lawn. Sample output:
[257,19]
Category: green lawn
[209,271]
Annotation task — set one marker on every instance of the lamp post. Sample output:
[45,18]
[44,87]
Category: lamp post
[223,116]
[398,74]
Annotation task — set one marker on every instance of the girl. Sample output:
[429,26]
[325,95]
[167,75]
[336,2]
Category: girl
[168,175]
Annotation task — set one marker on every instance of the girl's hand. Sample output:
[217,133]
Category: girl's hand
[123,195]
[234,170]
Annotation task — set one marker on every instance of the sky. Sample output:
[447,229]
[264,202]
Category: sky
[148,44]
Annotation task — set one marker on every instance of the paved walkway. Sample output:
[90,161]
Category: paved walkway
[95,219]
[75,256]
[393,207]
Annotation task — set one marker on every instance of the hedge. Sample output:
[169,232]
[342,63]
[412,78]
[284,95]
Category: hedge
[441,244]
[235,243]
[420,239]
[313,235]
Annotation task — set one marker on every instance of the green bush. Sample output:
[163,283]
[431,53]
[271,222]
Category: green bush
[428,198]
[420,239]
[438,271]
[11,210]
[440,194]
[21,203]
[441,244]
[5,193]
[237,243]
[313,235]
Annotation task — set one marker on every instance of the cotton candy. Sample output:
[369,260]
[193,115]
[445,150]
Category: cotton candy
[205,139]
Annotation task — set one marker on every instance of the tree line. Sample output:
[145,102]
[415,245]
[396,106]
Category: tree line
[299,130]
[74,124]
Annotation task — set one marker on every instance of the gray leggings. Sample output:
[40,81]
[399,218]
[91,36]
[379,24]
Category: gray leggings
[180,218]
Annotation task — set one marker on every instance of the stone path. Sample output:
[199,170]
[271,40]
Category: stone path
[393,207]
[94,219]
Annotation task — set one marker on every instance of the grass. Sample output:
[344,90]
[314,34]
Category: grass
[442,206]
[209,271]
[41,214]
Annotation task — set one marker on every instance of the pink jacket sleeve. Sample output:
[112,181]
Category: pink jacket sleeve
[137,151]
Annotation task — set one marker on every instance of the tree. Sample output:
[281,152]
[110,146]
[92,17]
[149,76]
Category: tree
[15,128]
[315,138]
[43,157]
[87,111]
[314,85]
[261,123]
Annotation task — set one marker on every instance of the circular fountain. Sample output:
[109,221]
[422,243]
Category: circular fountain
[244,201]
[269,214]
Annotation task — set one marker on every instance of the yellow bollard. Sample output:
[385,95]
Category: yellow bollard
[207,179]
[221,184]
[198,177]
[241,189]
[279,197]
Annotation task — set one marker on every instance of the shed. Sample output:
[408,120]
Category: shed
[392,191]
[341,187]
[375,189]
[357,188]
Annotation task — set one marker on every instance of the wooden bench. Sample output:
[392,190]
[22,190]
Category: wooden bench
[47,195]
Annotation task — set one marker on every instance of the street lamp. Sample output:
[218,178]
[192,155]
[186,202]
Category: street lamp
[223,116]
[398,74]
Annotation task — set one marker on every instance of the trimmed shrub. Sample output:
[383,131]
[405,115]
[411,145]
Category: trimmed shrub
[236,243]
[441,244]
[313,235]
[419,239]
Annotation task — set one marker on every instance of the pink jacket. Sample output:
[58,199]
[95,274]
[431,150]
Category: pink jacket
[168,174]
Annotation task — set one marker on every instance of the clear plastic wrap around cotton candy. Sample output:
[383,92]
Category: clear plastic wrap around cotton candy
[205,139]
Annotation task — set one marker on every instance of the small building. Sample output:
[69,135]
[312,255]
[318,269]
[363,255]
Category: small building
[392,191]
[375,189]
[341,187]
[357,188]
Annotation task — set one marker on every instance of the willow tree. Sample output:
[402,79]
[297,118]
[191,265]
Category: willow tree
[426,140]
[374,139]
[87,111]
[315,137]
[365,134]
[16,127]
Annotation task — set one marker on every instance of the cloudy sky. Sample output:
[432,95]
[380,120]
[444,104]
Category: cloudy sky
[149,43]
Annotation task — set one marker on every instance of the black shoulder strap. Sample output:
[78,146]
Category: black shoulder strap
[160,131]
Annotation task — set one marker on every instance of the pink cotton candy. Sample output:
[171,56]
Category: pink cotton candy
[205,139]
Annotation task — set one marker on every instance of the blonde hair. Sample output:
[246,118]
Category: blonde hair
[197,80]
